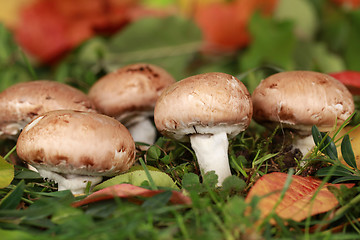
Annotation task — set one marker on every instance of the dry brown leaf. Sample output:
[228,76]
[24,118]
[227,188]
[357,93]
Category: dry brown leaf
[297,203]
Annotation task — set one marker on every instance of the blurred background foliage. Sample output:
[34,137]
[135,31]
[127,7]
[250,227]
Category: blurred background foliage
[78,42]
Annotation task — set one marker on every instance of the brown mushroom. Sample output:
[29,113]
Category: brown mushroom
[73,148]
[22,102]
[129,95]
[297,100]
[205,109]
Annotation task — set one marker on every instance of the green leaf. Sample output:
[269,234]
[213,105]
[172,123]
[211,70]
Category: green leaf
[210,179]
[13,198]
[333,171]
[27,174]
[191,182]
[168,42]
[137,178]
[325,144]
[153,153]
[166,159]
[232,184]
[6,173]
[330,148]
[324,60]
[347,152]
[316,135]
[346,179]
[301,13]
[269,35]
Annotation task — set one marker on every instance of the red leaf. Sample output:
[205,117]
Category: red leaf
[49,29]
[297,203]
[129,191]
[224,25]
[351,79]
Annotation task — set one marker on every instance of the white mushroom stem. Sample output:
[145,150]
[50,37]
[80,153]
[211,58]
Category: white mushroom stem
[212,153]
[304,143]
[75,183]
[143,131]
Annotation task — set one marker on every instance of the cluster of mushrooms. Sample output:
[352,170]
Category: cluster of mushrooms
[75,138]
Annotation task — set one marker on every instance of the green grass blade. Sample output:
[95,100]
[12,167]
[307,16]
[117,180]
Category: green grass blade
[151,180]
[10,152]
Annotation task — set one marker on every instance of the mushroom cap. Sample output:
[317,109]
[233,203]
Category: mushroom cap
[130,90]
[74,142]
[22,102]
[301,99]
[205,103]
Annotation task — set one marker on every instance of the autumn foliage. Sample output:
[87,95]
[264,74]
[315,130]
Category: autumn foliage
[48,29]
[305,196]
[224,24]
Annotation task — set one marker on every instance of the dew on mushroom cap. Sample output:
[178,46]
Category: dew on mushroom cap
[205,109]
[129,95]
[22,102]
[300,99]
[73,147]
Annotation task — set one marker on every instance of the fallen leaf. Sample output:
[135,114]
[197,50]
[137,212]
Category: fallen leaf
[297,203]
[351,79]
[129,191]
[137,177]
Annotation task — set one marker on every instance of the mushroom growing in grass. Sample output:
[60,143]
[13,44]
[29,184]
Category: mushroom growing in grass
[205,109]
[129,94]
[73,148]
[297,100]
[22,102]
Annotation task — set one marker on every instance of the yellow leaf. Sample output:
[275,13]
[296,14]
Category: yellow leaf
[6,173]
